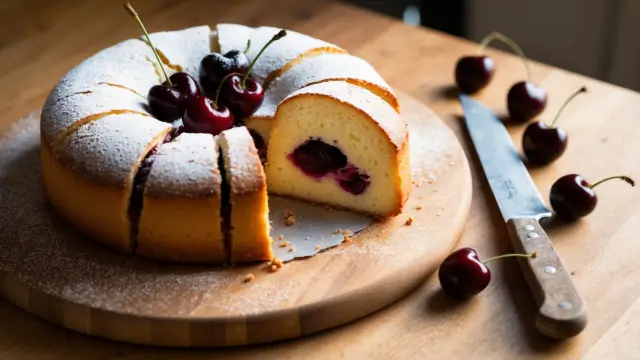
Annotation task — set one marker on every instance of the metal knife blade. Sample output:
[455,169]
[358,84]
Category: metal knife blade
[515,192]
[562,312]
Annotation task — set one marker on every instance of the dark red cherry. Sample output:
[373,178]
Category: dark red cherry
[243,98]
[169,99]
[203,116]
[525,101]
[572,197]
[242,94]
[316,158]
[544,143]
[473,73]
[351,180]
[214,67]
[462,275]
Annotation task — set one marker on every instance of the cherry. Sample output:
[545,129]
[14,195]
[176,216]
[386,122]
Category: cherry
[242,94]
[214,67]
[473,73]
[316,158]
[572,197]
[544,143]
[462,274]
[525,101]
[352,181]
[169,99]
[203,115]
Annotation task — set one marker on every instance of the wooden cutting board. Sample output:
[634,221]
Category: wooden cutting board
[57,274]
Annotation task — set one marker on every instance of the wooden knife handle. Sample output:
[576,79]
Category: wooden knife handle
[562,311]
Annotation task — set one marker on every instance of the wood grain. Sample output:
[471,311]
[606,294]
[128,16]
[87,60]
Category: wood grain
[600,251]
[134,300]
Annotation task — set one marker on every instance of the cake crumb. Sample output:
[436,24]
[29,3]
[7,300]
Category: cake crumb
[347,238]
[284,244]
[409,221]
[337,231]
[289,221]
[249,278]
[437,214]
[281,237]
[346,232]
[318,247]
[277,262]
[292,248]
[274,268]
[419,207]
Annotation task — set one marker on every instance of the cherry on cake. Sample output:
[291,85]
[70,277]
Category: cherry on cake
[339,144]
[180,217]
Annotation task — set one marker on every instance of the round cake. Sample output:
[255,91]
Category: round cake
[328,130]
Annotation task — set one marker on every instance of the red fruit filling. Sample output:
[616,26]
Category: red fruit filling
[317,159]
[139,182]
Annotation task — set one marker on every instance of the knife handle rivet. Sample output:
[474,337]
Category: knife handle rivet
[564,305]
[532,235]
[529,227]
[549,269]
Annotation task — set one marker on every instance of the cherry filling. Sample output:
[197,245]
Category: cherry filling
[317,159]
[139,182]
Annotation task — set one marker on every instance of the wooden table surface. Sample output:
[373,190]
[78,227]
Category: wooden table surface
[41,40]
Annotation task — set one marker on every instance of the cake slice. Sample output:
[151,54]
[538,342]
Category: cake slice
[128,64]
[339,144]
[248,213]
[180,216]
[229,37]
[89,179]
[182,50]
[284,53]
[309,71]
[64,116]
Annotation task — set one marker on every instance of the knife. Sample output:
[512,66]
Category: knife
[562,312]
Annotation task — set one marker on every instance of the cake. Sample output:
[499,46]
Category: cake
[144,186]
[247,205]
[309,71]
[339,144]
[183,187]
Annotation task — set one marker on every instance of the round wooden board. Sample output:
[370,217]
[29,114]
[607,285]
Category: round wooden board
[52,271]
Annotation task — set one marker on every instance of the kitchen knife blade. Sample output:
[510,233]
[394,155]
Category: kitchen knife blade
[562,311]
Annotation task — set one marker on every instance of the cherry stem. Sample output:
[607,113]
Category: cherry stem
[282,33]
[580,91]
[219,89]
[246,49]
[532,255]
[626,179]
[133,13]
[512,44]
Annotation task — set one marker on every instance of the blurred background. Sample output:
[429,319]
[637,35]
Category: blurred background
[596,38]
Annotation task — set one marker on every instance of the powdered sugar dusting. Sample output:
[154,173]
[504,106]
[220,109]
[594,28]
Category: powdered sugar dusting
[372,105]
[188,166]
[184,48]
[107,150]
[232,37]
[245,173]
[125,64]
[281,52]
[60,115]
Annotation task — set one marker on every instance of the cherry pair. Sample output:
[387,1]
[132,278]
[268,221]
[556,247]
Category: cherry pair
[525,100]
